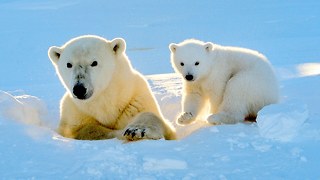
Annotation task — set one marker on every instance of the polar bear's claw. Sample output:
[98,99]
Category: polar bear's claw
[134,132]
[138,133]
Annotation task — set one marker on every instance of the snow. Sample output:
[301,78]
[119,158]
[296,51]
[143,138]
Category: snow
[163,164]
[283,144]
[26,109]
[282,121]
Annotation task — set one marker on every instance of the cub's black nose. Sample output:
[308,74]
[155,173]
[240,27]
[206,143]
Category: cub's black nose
[80,91]
[189,77]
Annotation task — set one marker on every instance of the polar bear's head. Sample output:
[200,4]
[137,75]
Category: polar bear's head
[85,65]
[191,59]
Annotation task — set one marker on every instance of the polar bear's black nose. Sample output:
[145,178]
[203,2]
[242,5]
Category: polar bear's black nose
[189,77]
[79,91]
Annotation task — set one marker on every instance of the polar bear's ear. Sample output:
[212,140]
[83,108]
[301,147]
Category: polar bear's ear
[173,47]
[54,53]
[118,45]
[208,46]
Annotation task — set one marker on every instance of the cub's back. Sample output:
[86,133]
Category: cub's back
[243,58]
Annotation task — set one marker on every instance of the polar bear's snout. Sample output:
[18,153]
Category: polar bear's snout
[81,92]
[82,88]
[189,77]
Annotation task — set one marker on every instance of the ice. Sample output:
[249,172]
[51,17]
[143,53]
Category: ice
[282,121]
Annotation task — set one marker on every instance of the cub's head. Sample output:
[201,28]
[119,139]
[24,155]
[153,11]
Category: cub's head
[85,65]
[191,59]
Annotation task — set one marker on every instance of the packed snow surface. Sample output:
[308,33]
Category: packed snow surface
[283,144]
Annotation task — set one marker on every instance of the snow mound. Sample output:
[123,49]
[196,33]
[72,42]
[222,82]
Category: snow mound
[26,109]
[282,121]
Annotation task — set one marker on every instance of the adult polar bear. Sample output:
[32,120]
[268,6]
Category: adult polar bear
[237,82]
[106,97]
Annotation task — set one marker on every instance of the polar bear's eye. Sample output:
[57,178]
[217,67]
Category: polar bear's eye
[69,65]
[182,64]
[94,63]
[197,63]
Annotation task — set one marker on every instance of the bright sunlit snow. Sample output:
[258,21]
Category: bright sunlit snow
[283,144]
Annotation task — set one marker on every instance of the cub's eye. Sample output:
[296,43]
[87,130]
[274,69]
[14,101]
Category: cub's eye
[197,63]
[182,64]
[94,63]
[69,65]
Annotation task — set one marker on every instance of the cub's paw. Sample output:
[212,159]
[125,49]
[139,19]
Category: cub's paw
[215,119]
[185,118]
[138,132]
[223,118]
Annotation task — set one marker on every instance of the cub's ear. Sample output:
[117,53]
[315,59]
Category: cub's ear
[208,46]
[173,47]
[54,53]
[118,45]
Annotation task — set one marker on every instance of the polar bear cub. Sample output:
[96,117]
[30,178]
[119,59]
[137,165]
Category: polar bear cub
[235,82]
[105,98]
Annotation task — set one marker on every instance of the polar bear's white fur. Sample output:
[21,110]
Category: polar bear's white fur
[106,97]
[236,82]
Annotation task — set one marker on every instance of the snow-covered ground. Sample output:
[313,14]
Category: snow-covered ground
[283,144]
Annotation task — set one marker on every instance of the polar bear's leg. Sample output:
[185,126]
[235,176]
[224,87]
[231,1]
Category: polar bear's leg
[89,129]
[237,97]
[147,125]
[95,132]
[191,107]
[77,125]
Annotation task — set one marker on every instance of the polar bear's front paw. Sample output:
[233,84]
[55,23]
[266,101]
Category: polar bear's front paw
[215,119]
[223,118]
[185,118]
[137,132]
